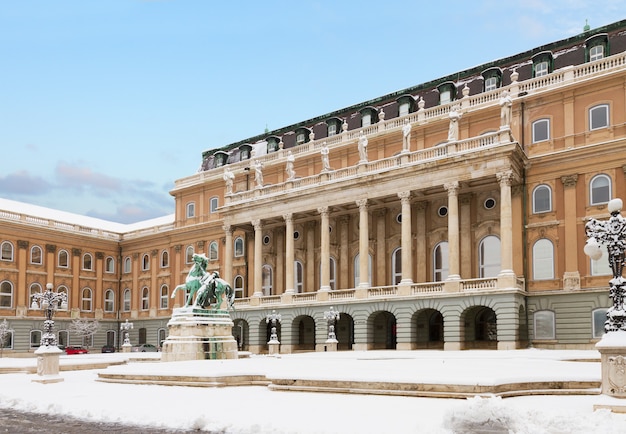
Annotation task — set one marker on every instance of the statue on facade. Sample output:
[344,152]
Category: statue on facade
[204,285]
[325,163]
[406,136]
[505,109]
[258,173]
[228,178]
[453,130]
[362,148]
[291,173]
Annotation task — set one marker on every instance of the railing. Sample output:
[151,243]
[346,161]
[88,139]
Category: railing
[304,297]
[342,294]
[479,284]
[382,291]
[426,288]
[272,299]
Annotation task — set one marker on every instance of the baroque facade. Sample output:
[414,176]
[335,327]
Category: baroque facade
[448,215]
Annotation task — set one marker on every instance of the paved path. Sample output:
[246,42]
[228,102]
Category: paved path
[16,422]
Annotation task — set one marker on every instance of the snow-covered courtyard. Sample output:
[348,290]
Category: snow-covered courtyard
[257,409]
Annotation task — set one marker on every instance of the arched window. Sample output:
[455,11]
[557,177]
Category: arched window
[6,295]
[357,267]
[213,251]
[213,204]
[542,64]
[7,342]
[33,289]
[165,259]
[63,259]
[87,262]
[298,277]
[109,301]
[127,300]
[541,130]
[333,273]
[64,337]
[489,256]
[239,247]
[191,209]
[36,255]
[127,265]
[396,266]
[542,199]
[63,289]
[109,264]
[600,189]
[86,300]
[440,262]
[145,298]
[145,262]
[161,337]
[544,324]
[35,338]
[111,338]
[165,296]
[543,260]
[6,251]
[599,117]
[189,255]
[601,267]
[267,279]
[238,286]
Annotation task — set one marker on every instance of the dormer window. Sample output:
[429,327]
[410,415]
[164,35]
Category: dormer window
[334,126]
[220,158]
[273,144]
[542,64]
[245,151]
[492,79]
[405,105]
[597,47]
[302,135]
[332,130]
[447,92]
[369,116]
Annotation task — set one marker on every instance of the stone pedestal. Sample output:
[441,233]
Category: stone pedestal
[612,348]
[331,345]
[274,348]
[126,348]
[197,334]
[48,364]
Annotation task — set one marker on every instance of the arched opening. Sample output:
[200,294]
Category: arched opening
[304,333]
[241,333]
[382,331]
[481,331]
[344,330]
[428,329]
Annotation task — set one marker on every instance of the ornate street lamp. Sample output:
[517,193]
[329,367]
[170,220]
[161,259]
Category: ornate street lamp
[331,317]
[612,233]
[125,327]
[273,318]
[49,301]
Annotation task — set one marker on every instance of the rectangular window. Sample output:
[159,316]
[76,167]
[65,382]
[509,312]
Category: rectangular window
[445,97]
[596,53]
[300,139]
[213,204]
[366,120]
[544,324]
[332,130]
[541,69]
[404,109]
[191,210]
[541,130]
[491,84]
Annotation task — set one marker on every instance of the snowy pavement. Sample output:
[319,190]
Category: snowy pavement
[256,409]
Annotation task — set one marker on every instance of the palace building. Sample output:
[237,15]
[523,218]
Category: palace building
[449,215]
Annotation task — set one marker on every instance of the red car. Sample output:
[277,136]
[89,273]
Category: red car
[75,350]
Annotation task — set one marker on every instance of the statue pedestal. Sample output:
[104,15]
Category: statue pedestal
[48,364]
[274,348]
[198,334]
[126,348]
[612,348]
[331,345]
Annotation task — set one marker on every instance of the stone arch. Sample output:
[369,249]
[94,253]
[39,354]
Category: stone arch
[241,333]
[480,328]
[427,329]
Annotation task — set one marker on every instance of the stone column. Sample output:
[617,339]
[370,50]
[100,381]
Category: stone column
[344,257]
[453,231]
[363,243]
[289,253]
[465,234]
[421,252]
[506,224]
[228,254]
[258,258]
[571,277]
[325,250]
[407,257]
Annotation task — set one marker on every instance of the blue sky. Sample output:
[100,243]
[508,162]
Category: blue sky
[104,104]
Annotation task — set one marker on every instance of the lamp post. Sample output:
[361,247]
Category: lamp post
[125,327]
[48,352]
[612,346]
[274,344]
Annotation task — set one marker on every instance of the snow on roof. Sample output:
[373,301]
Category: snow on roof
[12,206]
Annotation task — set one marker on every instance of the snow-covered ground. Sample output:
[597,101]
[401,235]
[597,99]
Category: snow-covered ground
[256,409]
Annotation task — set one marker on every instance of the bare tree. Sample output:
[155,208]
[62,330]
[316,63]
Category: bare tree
[84,327]
[5,333]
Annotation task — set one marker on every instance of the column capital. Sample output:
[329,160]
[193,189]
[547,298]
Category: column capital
[452,188]
[257,224]
[362,204]
[228,229]
[288,217]
[404,196]
[323,210]
[569,180]
[505,177]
